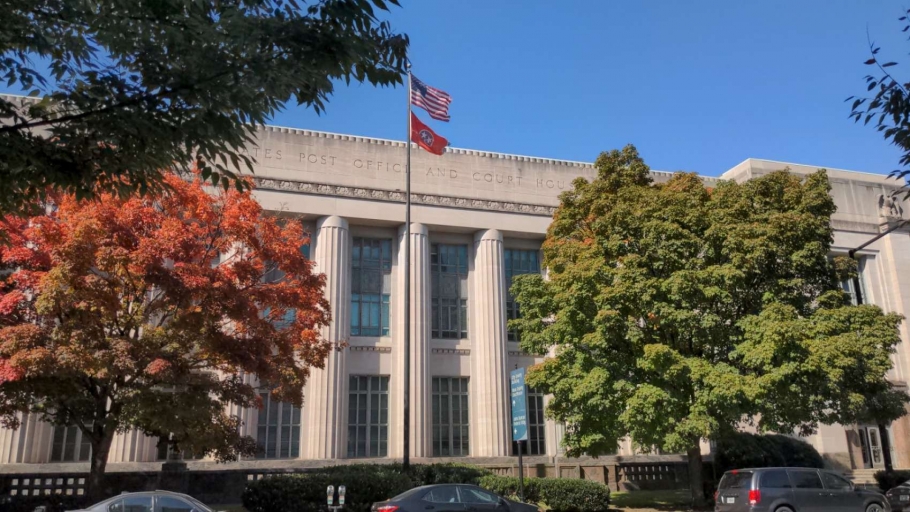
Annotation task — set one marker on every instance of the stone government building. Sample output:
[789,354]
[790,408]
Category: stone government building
[480,218]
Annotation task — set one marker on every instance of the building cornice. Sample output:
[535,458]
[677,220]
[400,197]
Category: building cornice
[392,196]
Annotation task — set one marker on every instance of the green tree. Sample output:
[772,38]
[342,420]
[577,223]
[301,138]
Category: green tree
[130,88]
[673,312]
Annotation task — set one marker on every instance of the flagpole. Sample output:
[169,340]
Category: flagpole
[406,451]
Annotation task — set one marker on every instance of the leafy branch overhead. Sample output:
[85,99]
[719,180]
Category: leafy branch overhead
[889,108]
[123,89]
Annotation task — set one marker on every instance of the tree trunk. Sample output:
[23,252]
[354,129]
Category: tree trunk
[886,447]
[696,479]
[101,447]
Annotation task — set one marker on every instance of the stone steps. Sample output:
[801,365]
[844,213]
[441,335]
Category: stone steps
[862,476]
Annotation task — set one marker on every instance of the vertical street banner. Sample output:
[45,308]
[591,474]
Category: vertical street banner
[519,405]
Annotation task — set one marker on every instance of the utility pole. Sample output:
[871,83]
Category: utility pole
[406,447]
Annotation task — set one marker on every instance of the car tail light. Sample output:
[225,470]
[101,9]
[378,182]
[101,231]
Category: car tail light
[754,497]
[387,508]
[716,494]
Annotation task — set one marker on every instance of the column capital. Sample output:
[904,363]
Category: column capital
[332,221]
[488,234]
[416,229]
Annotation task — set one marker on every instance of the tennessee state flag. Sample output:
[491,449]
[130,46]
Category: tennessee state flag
[427,138]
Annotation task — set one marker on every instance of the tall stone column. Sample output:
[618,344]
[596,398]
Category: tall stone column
[421,421]
[323,414]
[133,446]
[489,376]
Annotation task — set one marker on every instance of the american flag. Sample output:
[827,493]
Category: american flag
[431,99]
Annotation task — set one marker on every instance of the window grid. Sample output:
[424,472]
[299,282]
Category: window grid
[537,439]
[450,417]
[368,416]
[449,297]
[518,262]
[371,284]
[69,445]
[278,432]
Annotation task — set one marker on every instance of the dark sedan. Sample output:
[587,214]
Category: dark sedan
[450,498]
[899,497]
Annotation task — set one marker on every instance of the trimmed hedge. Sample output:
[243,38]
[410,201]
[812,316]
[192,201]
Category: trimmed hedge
[887,481]
[52,503]
[369,483]
[743,450]
[365,483]
[558,494]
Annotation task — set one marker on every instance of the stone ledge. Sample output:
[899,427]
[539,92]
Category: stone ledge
[281,465]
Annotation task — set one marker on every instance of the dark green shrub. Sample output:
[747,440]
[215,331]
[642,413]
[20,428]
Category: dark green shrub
[889,480]
[369,483]
[507,487]
[744,450]
[427,474]
[52,503]
[573,495]
[558,494]
[305,492]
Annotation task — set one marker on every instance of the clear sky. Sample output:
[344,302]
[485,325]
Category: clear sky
[696,86]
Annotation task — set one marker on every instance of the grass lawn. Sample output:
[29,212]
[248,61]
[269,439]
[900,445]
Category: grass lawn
[642,501]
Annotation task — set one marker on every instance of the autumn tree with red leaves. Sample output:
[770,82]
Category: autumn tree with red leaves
[146,312]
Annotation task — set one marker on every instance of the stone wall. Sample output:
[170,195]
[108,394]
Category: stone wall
[225,486]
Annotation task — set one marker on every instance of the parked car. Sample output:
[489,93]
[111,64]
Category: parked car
[450,498]
[793,490]
[899,497]
[152,501]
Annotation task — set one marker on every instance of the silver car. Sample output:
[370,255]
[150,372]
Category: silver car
[152,501]
[793,490]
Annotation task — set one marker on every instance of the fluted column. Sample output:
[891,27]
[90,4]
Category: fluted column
[14,442]
[133,446]
[323,415]
[248,416]
[420,347]
[489,375]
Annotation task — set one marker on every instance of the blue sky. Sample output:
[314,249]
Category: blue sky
[696,86]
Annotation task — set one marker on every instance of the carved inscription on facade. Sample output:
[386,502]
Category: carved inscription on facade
[326,160]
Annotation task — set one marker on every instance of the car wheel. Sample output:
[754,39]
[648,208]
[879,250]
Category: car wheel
[875,507]
[783,509]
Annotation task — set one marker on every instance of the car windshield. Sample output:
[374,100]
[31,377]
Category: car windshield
[736,480]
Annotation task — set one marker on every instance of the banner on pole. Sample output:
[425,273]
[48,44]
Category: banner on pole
[519,405]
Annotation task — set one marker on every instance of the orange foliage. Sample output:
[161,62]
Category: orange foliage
[144,289]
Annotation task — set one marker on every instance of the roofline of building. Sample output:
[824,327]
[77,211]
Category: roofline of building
[493,154]
[788,164]
[449,149]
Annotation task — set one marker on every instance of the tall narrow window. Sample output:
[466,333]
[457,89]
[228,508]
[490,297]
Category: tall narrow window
[537,439]
[848,285]
[278,434]
[368,417]
[70,445]
[449,267]
[371,284]
[450,417]
[518,262]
